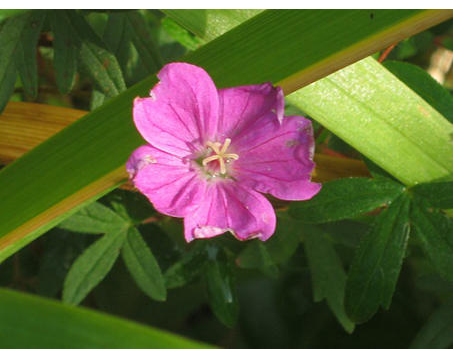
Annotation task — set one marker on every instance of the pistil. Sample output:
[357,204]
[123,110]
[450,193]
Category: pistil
[220,154]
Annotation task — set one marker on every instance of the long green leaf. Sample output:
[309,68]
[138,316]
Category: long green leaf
[62,173]
[32,322]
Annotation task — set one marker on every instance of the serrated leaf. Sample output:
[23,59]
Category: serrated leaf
[143,266]
[94,219]
[92,266]
[439,194]
[424,85]
[377,262]
[437,332]
[435,233]
[220,281]
[327,273]
[346,198]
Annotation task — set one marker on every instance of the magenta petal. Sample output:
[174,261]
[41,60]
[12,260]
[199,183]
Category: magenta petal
[241,107]
[167,180]
[182,111]
[229,206]
[277,159]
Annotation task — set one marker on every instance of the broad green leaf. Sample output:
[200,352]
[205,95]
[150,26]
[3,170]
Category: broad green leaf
[211,23]
[220,281]
[377,262]
[180,34]
[346,198]
[30,321]
[94,219]
[437,332]
[424,85]
[92,266]
[327,273]
[410,139]
[439,194]
[143,266]
[43,187]
[435,233]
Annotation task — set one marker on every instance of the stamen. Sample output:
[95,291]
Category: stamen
[220,154]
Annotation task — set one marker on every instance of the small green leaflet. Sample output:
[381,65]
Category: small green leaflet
[327,273]
[256,256]
[439,194]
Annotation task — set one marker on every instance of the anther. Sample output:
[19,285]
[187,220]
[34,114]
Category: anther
[220,154]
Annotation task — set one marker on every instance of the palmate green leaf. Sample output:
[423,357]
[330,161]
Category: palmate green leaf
[220,282]
[29,321]
[377,262]
[424,85]
[43,186]
[435,233]
[143,266]
[439,194]
[437,333]
[92,266]
[73,35]
[327,273]
[346,198]
[94,219]
[18,38]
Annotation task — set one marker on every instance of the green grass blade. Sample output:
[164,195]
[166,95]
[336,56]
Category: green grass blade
[29,321]
[62,173]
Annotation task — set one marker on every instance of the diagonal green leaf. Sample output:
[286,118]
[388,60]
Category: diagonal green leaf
[33,322]
[437,332]
[346,198]
[377,262]
[327,273]
[435,232]
[92,266]
[180,34]
[439,194]
[94,219]
[143,266]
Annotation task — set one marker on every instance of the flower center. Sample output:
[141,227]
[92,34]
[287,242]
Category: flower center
[220,154]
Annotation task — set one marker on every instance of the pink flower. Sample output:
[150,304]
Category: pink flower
[211,153]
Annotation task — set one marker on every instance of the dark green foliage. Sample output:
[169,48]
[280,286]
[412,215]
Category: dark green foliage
[439,194]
